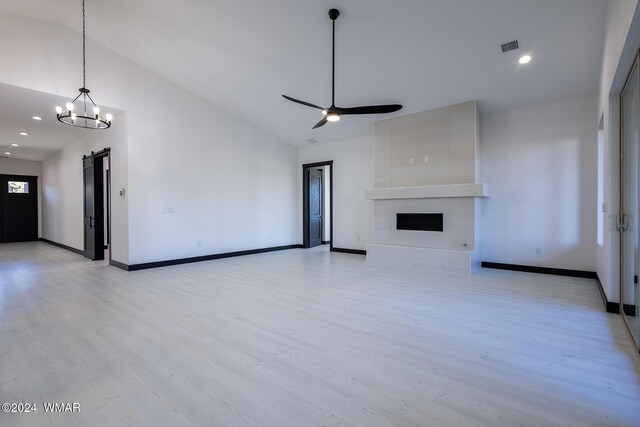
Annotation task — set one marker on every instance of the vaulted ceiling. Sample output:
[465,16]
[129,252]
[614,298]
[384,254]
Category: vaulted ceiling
[242,55]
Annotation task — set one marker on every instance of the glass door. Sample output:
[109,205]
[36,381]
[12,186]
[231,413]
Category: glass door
[629,187]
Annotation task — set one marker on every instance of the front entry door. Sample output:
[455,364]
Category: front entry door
[18,208]
[315,207]
[93,208]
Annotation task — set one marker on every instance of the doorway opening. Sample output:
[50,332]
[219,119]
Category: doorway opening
[97,202]
[317,204]
[18,208]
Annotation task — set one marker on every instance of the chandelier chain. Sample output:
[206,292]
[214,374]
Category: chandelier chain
[84,55]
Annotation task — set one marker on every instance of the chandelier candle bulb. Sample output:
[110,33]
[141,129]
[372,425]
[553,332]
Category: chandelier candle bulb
[69,106]
[58,110]
[109,117]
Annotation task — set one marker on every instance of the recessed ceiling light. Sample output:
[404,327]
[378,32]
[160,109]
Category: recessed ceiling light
[13,144]
[36,118]
[7,153]
[524,59]
[24,133]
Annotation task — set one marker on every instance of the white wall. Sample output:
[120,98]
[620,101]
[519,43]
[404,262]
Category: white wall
[10,166]
[622,40]
[229,186]
[540,164]
[63,189]
[352,176]
[222,184]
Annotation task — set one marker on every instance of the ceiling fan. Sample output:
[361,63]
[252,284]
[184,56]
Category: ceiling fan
[333,113]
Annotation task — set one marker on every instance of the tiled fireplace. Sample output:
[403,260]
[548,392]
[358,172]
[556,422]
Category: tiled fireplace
[428,163]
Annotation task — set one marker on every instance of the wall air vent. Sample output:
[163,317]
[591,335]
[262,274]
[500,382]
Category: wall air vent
[312,141]
[510,46]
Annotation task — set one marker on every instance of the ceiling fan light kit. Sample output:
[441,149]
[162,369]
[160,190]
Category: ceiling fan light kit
[333,113]
[85,114]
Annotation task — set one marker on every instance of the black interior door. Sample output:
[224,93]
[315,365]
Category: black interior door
[93,208]
[18,208]
[315,207]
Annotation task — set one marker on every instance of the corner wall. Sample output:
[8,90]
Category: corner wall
[540,164]
[352,176]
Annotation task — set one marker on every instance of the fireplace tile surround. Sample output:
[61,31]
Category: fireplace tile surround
[428,162]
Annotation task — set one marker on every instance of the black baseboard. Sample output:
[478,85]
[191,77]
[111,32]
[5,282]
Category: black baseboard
[349,251]
[611,307]
[119,264]
[156,264]
[60,245]
[326,242]
[540,270]
[629,310]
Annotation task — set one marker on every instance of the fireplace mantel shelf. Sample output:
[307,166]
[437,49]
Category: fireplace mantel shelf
[430,191]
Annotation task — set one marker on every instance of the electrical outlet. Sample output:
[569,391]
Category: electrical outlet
[426,159]
[411,162]
[538,251]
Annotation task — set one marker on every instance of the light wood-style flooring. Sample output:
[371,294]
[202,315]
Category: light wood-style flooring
[307,338]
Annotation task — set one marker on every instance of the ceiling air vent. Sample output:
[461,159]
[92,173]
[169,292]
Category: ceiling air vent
[312,141]
[509,46]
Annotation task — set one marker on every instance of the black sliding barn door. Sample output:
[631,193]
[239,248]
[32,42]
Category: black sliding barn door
[93,207]
[18,208]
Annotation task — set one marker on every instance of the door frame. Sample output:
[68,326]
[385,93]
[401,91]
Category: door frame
[18,177]
[634,67]
[305,201]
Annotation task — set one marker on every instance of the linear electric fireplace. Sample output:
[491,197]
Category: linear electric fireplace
[419,221]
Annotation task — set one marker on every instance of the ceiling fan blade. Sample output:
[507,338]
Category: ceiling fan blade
[369,109]
[321,123]
[308,104]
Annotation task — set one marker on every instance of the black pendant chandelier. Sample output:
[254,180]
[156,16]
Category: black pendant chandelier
[82,112]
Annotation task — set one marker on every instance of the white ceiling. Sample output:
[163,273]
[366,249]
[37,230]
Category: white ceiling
[242,55]
[46,136]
